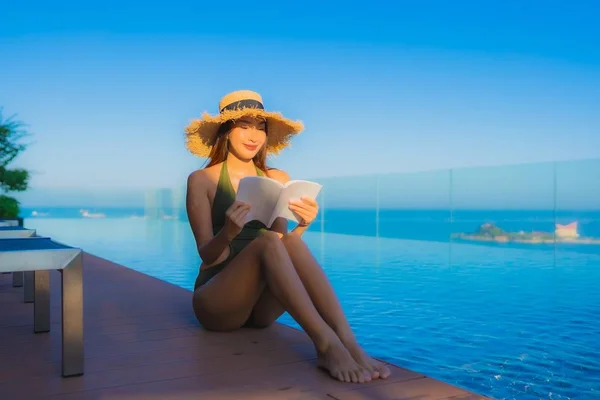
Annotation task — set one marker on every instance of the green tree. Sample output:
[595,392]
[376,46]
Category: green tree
[11,180]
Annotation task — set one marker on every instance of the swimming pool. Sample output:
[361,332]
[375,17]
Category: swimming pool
[509,323]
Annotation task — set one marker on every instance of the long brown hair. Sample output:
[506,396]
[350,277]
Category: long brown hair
[219,150]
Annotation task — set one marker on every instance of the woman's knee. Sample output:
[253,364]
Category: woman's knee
[295,246]
[270,240]
[269,236]
[292,240]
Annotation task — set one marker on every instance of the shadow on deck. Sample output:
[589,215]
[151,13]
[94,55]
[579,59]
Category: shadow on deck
[143,342]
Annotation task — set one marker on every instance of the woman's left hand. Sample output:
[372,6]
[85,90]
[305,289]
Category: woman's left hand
[306,209]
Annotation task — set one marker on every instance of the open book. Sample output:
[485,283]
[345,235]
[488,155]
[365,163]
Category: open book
[269,199]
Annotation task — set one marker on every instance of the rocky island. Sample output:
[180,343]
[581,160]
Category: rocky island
[489,232]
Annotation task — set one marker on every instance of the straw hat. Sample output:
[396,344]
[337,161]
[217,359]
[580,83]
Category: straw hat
[201,133]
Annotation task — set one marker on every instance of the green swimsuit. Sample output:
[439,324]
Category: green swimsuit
[224,198]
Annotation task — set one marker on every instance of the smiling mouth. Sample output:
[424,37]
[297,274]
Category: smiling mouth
[251,147]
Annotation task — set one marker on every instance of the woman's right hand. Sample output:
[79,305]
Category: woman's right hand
[234,219]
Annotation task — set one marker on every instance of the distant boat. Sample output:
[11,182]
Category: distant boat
[87,214]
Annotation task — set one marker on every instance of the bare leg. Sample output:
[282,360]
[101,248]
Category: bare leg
[226,301]
[323,296]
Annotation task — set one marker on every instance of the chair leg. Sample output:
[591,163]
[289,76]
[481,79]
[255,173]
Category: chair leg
[41,304]
[72,318]
[17,279]
[29,287]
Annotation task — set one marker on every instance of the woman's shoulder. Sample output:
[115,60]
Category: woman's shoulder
[278,174]
[204,176]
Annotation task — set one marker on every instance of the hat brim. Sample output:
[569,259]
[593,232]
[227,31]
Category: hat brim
[201,133]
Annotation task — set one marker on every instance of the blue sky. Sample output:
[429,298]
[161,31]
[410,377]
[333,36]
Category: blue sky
[107,88]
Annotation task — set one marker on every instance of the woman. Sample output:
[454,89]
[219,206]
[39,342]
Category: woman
[250,273]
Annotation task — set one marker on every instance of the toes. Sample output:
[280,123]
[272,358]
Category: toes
[362,378]
[374,373]
[383,371]
[365,375]
[346,375]
[360,375]
[371,371]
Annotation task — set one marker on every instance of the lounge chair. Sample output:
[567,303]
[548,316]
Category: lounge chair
[40,254]
[20,278]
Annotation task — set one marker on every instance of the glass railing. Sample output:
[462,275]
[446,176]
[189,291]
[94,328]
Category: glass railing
[483,277]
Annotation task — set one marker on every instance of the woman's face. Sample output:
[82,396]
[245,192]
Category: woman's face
[247,137]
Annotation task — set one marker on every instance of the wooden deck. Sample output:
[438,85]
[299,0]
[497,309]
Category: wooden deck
[143,342]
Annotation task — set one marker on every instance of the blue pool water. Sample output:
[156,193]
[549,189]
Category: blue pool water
[510,322]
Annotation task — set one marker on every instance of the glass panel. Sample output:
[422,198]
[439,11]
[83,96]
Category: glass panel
[576,301]
[415,206]
[578,206]
[350,205]
[512,198]
[496,310]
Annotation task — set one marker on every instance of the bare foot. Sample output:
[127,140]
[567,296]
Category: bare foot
[377,369]
[341,365]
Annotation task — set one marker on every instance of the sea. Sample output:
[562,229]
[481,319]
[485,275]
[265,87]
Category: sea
[509,321]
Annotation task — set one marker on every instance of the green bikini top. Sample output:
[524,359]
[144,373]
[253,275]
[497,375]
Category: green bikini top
[224,198]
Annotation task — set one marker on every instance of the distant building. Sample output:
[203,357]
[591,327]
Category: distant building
[165,204]
[178,203]
[566,231]
[157,203]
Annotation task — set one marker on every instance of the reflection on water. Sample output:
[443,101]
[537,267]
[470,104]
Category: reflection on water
[508,322]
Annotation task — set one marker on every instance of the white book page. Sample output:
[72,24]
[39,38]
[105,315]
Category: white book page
[262,194]
[294,190]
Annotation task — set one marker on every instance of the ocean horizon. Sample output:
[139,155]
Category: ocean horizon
[415,224]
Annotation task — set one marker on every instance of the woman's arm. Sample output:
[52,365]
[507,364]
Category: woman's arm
[280,225]
[299,229]
[210,247]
